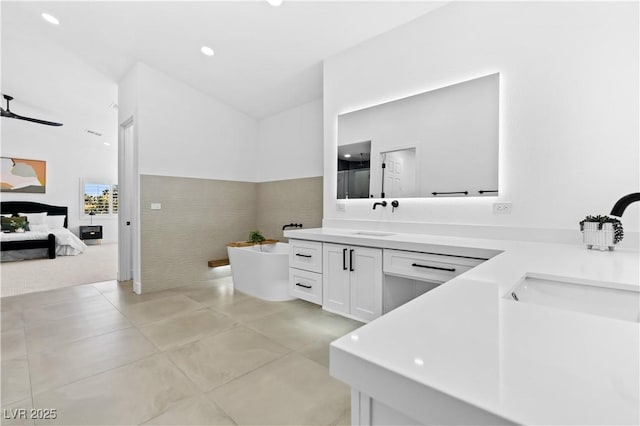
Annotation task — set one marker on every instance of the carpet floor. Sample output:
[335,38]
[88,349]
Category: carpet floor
[97,263]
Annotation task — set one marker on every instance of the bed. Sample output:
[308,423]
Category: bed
[15,246]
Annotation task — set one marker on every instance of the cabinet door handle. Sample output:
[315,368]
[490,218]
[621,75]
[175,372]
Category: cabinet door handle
[344,259]
[434,267]
[302,285]
[303,255]
[351,260]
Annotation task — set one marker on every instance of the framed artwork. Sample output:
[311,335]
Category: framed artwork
[21,175]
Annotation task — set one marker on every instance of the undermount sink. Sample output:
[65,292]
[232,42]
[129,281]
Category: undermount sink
[373,233]
[591,298]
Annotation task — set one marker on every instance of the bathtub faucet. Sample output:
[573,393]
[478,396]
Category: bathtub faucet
[292,225]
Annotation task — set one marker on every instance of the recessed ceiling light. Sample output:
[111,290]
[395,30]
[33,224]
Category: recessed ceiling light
[274,2]
[50,19]
[207,50]
[107,143]
[347,156]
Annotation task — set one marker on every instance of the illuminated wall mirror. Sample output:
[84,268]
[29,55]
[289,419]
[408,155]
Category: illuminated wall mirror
[441,143]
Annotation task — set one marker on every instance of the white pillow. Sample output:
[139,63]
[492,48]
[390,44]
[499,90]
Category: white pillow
[43,227]
[34,218]
[55,222]
[6,215]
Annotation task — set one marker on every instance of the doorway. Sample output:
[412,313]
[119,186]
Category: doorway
[127,217]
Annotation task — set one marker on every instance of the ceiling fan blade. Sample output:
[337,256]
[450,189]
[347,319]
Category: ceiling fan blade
[33,120]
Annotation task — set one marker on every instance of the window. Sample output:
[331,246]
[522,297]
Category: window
[114,199]
[100,198]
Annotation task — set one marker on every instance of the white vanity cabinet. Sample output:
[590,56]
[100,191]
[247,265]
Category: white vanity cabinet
[305,270]
[363,282]
[352,281]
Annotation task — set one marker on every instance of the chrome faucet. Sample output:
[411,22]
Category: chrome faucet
[623,202]
[383,204]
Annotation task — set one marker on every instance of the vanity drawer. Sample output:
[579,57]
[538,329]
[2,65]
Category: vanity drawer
[305,285]
[425,266]
[305,255]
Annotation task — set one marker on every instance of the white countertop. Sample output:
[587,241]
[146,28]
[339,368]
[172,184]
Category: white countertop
[526,363]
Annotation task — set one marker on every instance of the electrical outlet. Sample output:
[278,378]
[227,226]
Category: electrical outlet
[341,206]
[502,208]
[156,206]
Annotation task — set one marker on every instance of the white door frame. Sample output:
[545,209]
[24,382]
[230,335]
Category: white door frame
[129,235]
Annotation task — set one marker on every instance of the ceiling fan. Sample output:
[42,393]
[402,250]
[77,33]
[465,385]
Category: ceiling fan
[7,113]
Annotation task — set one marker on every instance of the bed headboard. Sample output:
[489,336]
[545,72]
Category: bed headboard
[15,207]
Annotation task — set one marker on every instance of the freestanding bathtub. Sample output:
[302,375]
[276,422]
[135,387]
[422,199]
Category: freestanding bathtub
[261,270]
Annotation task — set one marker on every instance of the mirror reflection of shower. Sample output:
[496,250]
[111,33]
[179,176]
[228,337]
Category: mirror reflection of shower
[354,170]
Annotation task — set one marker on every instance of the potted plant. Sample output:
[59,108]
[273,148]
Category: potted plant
[601,231]
[256,237]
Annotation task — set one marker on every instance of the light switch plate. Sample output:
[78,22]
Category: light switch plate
[156,206]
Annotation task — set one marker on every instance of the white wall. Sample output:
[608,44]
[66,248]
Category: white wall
[50,83]
[183,132]
[569,107]
[290,144]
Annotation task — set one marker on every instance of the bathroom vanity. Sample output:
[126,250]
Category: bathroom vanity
[454,346]
[363,275]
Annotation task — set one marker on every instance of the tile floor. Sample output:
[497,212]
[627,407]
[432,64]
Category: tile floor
[197,355]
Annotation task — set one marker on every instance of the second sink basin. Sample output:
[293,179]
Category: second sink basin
[578,296]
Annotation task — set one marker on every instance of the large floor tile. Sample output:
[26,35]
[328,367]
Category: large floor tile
[303,324]
[187,328]
[11,303]
[52,334]
[67,309]
[123,296]
[290,391]
[11,318]
[131,394]
[87,357]
[193,411]
[290,328]
[218,359]
[334,325]
[226,281]
[113,285]
[159,309]
[17,413]
[317,351]
[218,295]
[251,309]
[67,294]
[15,381]
[13,344]
[303,306]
